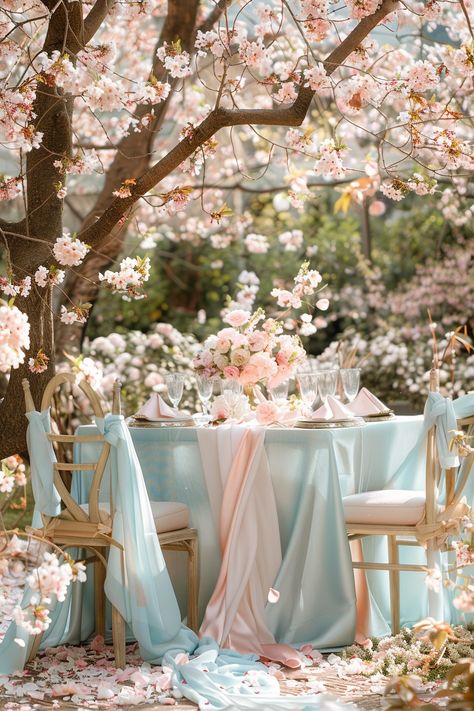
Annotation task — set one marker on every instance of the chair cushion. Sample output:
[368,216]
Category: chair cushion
[394,507]
[168,515]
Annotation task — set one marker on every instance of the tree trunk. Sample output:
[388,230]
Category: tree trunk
[13,421]
[131,160]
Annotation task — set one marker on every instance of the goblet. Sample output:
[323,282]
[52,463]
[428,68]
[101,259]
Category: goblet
[232,386]
[308,385]
[175,384]
[350,378]
[204,387]
[279,393]
[327,383]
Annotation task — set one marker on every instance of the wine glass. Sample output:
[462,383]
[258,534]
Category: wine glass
[327,383]
[204,387]
[308,385]
[231,386]
[279,393]
[175,383]
[350,378]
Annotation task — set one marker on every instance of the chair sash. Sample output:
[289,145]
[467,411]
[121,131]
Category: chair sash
[46,496]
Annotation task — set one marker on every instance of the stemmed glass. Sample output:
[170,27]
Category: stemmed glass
[279,393]
[308,385]
[205,387]
[327,383]
[175,384]
[350,378]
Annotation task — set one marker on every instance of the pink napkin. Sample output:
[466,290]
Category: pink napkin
[367,404]
[156,409]
[332,409]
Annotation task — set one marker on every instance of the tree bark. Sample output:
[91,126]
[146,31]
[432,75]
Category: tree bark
[131,160]
[29,243]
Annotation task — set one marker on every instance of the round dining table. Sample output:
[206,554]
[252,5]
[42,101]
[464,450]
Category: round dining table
[311,471]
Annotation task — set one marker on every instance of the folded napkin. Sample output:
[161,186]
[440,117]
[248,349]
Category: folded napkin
[332,409]
[156,409]
[367,404]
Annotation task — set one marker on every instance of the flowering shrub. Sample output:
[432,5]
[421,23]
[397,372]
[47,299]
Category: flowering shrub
[397,362]
[139,360]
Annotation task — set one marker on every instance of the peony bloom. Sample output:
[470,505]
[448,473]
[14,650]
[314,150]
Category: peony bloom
[237,318]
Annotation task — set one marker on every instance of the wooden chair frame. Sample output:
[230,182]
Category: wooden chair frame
[406,535]
[77,528]
[74,528]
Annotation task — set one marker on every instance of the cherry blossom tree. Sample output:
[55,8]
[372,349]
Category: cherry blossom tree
[158,109]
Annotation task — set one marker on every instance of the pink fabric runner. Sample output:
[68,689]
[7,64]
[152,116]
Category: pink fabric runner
[250,544]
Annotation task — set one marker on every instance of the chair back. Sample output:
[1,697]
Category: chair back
[455,478]
[72,510]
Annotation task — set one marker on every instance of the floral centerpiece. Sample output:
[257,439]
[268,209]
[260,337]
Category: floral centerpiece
[253,348]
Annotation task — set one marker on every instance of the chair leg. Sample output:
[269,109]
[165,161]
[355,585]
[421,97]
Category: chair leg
[394,577]
[193,584]
[99,596]
[118,636]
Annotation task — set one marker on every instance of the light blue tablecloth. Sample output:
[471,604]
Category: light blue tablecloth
[310,469]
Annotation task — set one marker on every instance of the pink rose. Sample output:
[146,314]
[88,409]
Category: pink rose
[231,372]
[283,373]
[237,318]
[222,345]
[257,341]
[266,413]
[250,375]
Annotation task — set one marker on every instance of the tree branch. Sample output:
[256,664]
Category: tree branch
[94,19]
[293,115]
[209,22]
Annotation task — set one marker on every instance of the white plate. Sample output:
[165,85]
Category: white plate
[178,418]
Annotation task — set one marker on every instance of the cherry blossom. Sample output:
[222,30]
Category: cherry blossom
[14,336]
[133,273]
[69,251]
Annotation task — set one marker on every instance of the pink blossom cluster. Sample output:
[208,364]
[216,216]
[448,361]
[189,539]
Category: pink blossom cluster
[12,474]
[175,61]
[132,274]
[329,159]
[69,251]
[316,78]
[50,578]
[15,288]
[52,276]
[38,364]
[10,188]
[256,244]
[362,8]
[292,240]
[14,336]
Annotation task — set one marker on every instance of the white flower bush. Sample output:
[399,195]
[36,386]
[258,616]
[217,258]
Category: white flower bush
[140,360]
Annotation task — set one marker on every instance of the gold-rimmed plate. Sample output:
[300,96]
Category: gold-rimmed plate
[329,424]
[380,416]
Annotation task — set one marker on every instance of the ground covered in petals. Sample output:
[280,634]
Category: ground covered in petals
[85,677]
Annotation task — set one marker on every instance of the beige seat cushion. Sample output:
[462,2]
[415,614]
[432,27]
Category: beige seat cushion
[168,515]
[394,507]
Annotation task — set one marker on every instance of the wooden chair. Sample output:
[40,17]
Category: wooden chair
[410,518]
[89,526]
[75,526]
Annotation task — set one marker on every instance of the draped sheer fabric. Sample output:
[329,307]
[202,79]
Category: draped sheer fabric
[138,585]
